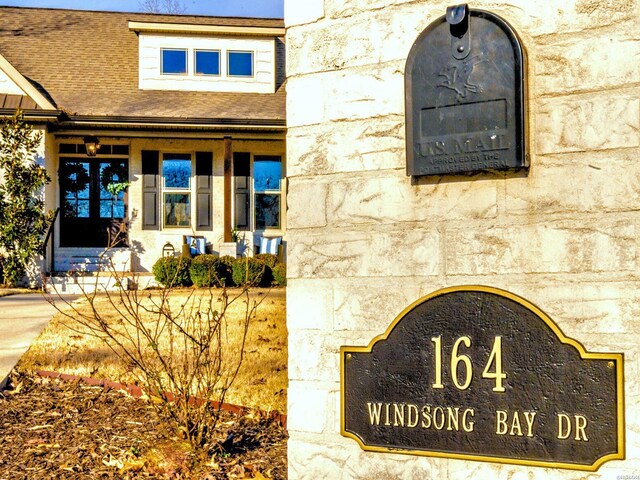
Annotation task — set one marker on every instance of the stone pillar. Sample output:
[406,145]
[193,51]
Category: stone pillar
[365,240]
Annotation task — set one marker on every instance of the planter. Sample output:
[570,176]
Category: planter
[234,249]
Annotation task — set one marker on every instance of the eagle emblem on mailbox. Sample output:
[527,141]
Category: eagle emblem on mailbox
[456,76]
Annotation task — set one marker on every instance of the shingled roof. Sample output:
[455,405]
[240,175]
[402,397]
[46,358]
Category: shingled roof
[86,63]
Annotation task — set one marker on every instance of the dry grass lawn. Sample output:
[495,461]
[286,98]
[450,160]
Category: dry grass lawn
[4,292]
[261,382]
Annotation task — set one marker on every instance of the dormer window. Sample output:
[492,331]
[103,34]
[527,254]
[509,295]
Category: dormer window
[207,62]
[207,58]
[240,64]
[173,61]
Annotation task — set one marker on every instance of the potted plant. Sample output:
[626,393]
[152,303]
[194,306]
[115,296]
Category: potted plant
[236,247]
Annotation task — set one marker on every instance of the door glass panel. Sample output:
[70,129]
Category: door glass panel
[112,178]
[75,182]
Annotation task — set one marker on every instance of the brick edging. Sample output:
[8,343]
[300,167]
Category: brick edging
[137,392]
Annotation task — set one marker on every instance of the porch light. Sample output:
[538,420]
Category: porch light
[168,250]
[92,145]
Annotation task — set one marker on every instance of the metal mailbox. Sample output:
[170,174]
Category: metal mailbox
[465,96]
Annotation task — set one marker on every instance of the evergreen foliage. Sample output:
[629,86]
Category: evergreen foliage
[172,271]
[280,274]
[226,269]
[247,271]
[207,271]
[23,220]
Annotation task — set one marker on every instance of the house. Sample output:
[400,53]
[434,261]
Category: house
[159,126]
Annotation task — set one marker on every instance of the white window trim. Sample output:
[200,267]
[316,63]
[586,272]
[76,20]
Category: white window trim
[253,64]
[195,63]
[173,190]
[272,231]
[186,73]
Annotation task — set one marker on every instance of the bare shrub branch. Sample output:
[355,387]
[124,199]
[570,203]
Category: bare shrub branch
[177,352]
[162,6]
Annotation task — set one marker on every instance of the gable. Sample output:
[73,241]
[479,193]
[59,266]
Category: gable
[17,92]
[8,86]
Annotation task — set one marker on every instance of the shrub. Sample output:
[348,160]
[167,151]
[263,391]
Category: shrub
[280,274]
[226,270]
[248,271]
[269,259]
[207,271]
[1,270]
[174,349]
[172,271]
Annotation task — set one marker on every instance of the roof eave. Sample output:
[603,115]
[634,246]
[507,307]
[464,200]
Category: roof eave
[157,27]
[32,114]
[176,122]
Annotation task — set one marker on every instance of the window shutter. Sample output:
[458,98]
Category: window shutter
[204,188]
[241,173]
[150,190]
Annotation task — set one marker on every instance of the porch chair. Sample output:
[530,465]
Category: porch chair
[197,245]
[271,245]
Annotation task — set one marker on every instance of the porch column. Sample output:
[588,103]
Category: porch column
[228,156]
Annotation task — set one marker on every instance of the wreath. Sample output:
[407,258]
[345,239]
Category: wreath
[74,178]
[113,178]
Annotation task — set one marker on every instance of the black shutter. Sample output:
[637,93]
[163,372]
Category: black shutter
[204,189]
[241,174]
[150,190]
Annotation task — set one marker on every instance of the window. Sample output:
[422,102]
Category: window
[172,196]
[176,178]
[173,61]
[207,62]
[240,64]
[267,175]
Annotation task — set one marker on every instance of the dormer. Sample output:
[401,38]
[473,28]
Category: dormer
[207,58]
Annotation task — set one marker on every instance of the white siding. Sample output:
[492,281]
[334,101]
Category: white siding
[263,80]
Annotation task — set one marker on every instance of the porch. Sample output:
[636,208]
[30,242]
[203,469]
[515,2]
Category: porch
[143,195]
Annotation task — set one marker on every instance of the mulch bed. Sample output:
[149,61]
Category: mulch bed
[54,429]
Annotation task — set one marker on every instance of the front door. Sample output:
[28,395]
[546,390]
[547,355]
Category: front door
[92,202]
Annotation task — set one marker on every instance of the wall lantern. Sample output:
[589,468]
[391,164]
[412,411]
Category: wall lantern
[91,145]
[168,250]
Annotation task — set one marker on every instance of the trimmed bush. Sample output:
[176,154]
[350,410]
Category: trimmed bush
[172,271]
[226,270]
[269,259]
[280,274]
[248,271]
[207,271]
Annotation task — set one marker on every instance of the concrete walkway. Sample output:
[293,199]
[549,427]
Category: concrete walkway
[22,318]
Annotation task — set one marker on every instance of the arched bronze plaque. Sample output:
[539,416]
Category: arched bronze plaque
[465,96]
[477,373]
